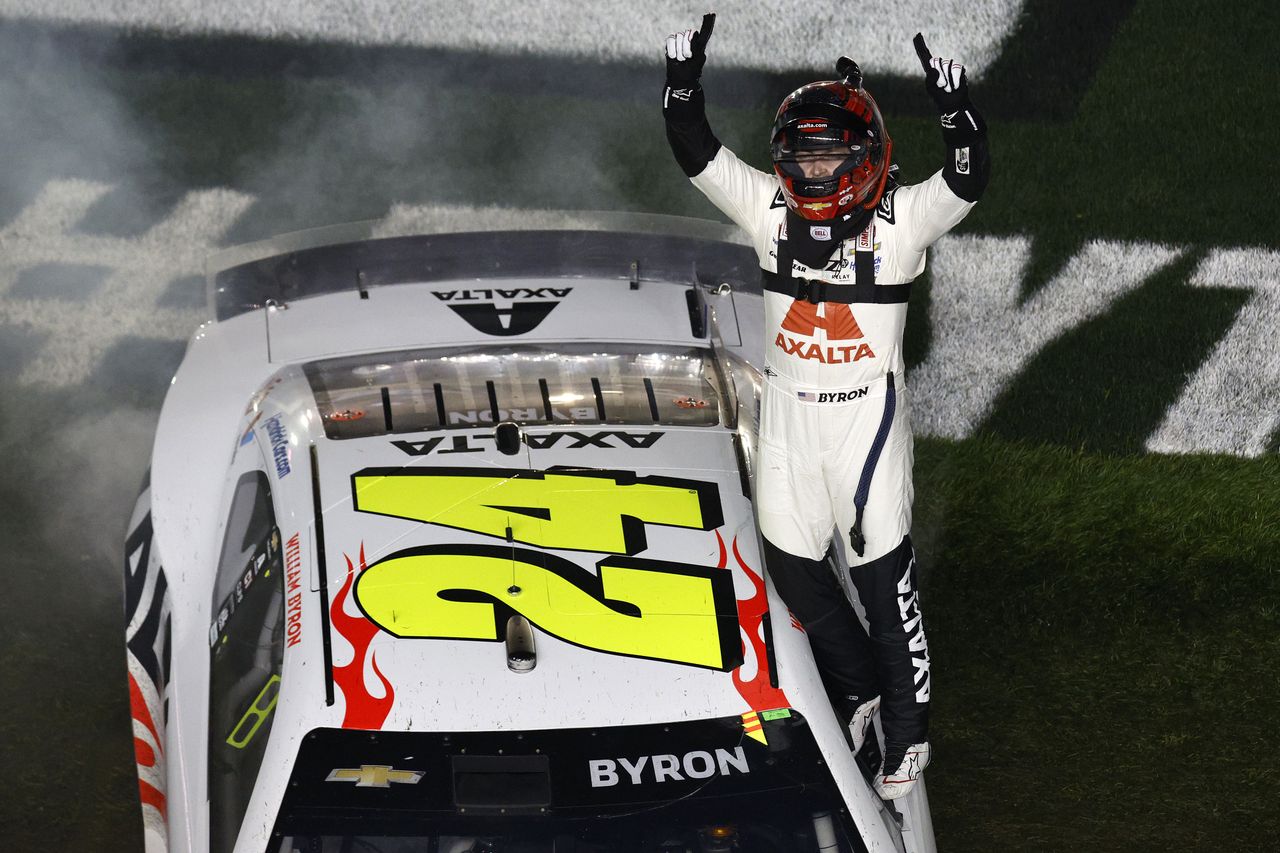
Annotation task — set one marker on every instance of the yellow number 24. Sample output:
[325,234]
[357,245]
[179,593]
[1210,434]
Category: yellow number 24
[630,606]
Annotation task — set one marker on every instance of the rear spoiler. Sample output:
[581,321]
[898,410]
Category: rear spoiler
[358,265]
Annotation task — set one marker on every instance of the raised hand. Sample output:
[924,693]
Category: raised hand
[944,78]
[687,52]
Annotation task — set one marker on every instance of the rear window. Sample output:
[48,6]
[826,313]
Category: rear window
[699,786]
[419,390]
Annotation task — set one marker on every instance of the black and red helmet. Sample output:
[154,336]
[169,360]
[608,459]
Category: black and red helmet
[829,147]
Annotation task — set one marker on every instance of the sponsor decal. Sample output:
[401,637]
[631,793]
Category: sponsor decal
[363,709]
[884,208]
[487,318]
[567,440]
[836,319]
[293,591]
[485,416]
[866,238]
[682,94]
[628,606]
[488,294]
[816,205]
[825,355]
[279,438]
[753,728]
[346,415]
[913,627]
[821,232]
[259,566]
[375,776]
[949,120]
[778,201]
[689,403]
[246,438]
[656,769]
[811,126]
[962,160]
[833,396]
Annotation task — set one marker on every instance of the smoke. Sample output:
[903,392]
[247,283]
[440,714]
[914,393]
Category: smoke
[348,148]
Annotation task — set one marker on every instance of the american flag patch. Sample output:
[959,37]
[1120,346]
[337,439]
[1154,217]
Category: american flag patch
[805,395]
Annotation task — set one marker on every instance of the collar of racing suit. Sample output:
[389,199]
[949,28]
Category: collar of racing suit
[813,253]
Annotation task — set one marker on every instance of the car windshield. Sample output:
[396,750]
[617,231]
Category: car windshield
[416,390]
[706,786]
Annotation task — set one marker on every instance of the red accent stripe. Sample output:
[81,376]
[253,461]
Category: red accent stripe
[142,751]
[141,712]
[152,796]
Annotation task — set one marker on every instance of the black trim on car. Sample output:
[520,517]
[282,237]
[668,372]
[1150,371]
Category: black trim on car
[323,573]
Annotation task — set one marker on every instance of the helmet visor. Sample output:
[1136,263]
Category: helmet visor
[816,163]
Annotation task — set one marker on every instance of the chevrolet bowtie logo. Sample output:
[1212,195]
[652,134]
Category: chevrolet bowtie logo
[374,776]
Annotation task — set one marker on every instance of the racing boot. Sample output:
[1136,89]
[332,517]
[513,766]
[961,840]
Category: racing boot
[907,763]
[887,587]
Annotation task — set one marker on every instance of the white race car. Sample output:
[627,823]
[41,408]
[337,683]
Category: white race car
[447,545]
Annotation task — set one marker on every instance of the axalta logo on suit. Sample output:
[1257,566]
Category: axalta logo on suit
[836,320]
[827,354]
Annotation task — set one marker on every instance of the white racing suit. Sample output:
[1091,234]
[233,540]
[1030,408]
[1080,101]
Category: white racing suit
[835,450]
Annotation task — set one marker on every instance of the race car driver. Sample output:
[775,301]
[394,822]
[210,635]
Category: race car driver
[839,240]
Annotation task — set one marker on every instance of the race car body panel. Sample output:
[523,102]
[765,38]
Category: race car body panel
[460,313]
[350,544]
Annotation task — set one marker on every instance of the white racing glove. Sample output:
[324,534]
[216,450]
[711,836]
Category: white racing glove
[686,53]
[944,78]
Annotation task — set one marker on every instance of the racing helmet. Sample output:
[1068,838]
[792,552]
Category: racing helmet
[829,147]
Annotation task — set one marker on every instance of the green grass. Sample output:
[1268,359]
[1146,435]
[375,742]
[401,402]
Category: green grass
[1106,643]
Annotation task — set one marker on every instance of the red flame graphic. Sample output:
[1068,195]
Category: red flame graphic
[144,755]
[758,692]
[364,710]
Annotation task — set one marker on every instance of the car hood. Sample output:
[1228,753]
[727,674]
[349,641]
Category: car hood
[630,551]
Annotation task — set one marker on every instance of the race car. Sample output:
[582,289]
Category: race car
[447,545]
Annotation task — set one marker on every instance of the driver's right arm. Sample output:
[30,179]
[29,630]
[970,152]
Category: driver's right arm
[741,192]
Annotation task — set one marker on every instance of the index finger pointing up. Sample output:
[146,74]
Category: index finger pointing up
[922,51]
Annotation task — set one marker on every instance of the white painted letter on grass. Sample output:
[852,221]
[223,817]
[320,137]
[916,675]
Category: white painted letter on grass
[1232,403]
[983,336]
[79,331]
